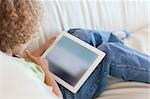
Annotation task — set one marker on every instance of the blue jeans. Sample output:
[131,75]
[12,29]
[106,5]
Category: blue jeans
[120,61]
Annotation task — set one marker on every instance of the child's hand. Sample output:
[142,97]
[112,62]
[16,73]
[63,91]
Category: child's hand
[42,62]
[38,52]
[50,41]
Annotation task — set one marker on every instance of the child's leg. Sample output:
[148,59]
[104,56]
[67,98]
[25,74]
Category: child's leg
[129,64]
[125,63]
[95,38]
[120,60]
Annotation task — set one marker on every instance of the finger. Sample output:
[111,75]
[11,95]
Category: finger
[52,39]
[32,58]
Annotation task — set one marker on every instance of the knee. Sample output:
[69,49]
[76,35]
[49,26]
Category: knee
[105,47]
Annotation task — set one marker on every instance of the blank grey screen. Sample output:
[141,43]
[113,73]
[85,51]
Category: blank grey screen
[69,60]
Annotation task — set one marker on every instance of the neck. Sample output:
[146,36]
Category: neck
[9,52]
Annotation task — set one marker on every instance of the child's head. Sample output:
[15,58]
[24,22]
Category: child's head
[18,22]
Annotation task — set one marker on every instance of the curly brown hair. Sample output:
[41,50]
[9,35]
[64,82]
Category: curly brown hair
[18,22]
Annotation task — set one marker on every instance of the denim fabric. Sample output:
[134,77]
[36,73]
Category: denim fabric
[120,61]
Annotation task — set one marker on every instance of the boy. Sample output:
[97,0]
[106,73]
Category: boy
[19,22]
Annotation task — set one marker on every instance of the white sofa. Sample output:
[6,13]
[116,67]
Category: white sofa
[101,15]
[113,15]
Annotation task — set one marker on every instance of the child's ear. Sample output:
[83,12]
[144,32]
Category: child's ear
[9,52]
[17,50]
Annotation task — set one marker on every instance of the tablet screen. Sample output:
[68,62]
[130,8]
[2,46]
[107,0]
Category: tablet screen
[70,60]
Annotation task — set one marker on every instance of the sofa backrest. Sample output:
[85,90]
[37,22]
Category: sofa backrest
[106,15]
[95,14]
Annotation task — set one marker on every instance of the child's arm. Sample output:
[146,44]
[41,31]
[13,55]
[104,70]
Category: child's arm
[38,52]
[49,80]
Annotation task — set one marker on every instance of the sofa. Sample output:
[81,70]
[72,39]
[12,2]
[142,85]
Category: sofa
[112,16]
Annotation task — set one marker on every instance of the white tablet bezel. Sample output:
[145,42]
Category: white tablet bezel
[100,54]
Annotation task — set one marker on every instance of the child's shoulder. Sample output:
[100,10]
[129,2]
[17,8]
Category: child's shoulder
[34,67]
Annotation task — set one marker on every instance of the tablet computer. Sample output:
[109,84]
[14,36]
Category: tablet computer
[72,60]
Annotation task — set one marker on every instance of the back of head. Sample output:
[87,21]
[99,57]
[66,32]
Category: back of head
[18,22]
